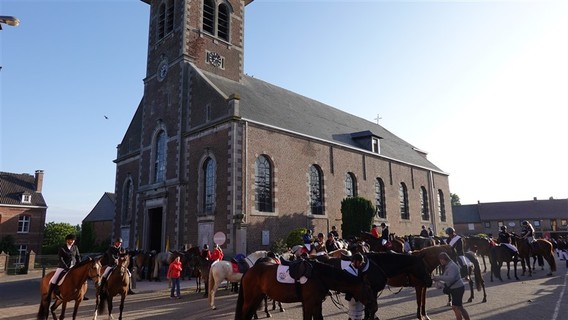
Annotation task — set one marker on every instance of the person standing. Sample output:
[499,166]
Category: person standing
[174,273]
[456,243]
[217,254]
[375,231]
[205,253]
[68,255]
[451,276]
[356,309]
[384,234]
[424,232]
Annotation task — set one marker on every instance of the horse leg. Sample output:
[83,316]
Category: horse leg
[109,303]
[280,306]
[54,307]
[484,265]
[471,291]
[508,270]
[121,305]
[75,309]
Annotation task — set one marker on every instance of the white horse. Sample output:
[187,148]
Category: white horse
[223,270]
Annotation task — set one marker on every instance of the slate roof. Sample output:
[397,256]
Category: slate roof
[511,210]
[12,185]
[268,104]
[103,210]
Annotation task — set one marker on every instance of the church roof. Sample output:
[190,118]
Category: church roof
[104,209]
[271,105]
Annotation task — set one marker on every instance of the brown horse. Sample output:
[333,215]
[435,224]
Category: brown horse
[201,268]
[430,257]
[73,287]
[498,255]
[541,247]
[418,242]
[261,280]
[117,283]
[479,245]
[376,244]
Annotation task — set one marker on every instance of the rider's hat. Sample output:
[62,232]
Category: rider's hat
[450,230]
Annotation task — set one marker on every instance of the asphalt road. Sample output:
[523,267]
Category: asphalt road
[539,297]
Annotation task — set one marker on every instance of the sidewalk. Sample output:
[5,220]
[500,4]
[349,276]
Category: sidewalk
[139,286]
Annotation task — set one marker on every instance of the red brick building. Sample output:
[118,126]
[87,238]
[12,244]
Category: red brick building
[22,210]
[212,150]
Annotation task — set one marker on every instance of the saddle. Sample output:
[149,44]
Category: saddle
[239,266]
[300,268]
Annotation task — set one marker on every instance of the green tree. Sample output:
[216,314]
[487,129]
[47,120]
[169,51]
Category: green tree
[54,236]
[295,237]
[357,215]
[455,199]
[87,241]
[8,245]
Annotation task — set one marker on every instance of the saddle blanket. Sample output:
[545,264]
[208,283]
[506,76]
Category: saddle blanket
[283,275]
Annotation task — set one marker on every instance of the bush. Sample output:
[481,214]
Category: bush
[295,237]
[279,246]
[357,215]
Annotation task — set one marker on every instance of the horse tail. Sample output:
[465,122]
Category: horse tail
[477,271]
[43,310]
[102,301]
[240,302]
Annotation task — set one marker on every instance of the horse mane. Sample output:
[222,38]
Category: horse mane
[327,271]
[84,262]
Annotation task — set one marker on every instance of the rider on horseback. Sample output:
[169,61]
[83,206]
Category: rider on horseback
[527,232]
[384,234]
[111,255]
[68,256]
[455,242]
[505,238]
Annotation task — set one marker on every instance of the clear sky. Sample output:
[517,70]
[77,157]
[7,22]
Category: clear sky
[482,86]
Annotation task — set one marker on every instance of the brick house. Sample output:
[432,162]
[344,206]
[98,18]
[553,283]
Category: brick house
[23,210]
[213,153]
[548,217]
[102,217]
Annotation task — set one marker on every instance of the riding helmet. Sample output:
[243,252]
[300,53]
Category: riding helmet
[504,228]
[70,237]
[358,257]
[320,235]
[450,230]
[524,223]
[119,239]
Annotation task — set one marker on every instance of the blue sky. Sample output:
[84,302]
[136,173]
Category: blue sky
[480,85]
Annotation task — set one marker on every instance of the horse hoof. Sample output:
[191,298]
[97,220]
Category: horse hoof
[549,275]
[213,308]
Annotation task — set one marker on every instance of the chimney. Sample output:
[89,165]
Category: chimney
[38,180]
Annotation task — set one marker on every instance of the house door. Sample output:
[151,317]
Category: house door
[155,229]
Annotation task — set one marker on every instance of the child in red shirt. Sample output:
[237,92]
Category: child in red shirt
[174,273]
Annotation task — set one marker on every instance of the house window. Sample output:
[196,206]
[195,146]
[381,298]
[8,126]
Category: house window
[160,157]
[216,20]
[26,198]
[380,199]
[487,224]
[24,224]
[350,190]
[563,223]
[500,224]
[127,203]
[209,168]
[536,223]
[316,190]
[441,206]
[424,208]
[376,145]
[162,21]
[263,184]
[22,253]
[403,199]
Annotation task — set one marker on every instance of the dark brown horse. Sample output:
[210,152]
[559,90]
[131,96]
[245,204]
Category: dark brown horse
[386,267]
[499,254]
[261,280]
[541,247]
[479,245]
[376,244]
[201,268]
[117,283]
[418,242]
[73,288]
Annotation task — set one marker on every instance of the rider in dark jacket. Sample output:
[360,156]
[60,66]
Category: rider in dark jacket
[68,255]
[505,239]
[456,243]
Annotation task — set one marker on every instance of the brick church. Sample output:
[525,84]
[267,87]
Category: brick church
[212,154]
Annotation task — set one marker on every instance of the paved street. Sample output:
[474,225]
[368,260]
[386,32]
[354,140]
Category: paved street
[539,297]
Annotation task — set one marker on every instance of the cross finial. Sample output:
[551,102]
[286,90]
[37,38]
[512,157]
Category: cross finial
[378,118]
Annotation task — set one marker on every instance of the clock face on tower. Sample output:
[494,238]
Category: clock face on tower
[215,59]
[162,70]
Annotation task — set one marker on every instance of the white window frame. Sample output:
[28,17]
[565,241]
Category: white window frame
[24,222]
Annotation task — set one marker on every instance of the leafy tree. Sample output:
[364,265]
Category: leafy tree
[87,242]
[54,236]
[279,246]
[357,215]
[8,245]
[455,199]
[295,237]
